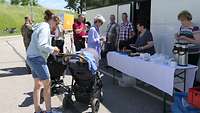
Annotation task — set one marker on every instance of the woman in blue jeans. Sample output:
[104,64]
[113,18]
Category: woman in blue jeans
[37,53]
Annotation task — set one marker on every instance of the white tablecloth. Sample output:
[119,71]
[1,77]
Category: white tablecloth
[158,75]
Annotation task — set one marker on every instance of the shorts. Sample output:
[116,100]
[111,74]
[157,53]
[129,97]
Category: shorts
[39,68]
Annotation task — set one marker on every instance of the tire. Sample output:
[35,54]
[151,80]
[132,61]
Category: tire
[95,105]
[67,102]
[101,95]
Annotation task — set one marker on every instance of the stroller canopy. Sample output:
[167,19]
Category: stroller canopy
[92,58]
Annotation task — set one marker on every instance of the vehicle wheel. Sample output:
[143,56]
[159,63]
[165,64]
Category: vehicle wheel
[95,105]
[67,102]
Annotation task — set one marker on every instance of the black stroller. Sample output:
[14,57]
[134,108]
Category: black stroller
[86,86]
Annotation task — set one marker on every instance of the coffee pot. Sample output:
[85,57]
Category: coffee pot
[181,53]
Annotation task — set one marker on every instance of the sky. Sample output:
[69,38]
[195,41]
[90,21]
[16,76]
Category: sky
[53,4]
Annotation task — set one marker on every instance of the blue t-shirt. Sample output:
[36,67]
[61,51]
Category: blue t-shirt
[143,41]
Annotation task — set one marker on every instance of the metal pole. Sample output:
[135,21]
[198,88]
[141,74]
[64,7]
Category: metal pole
[164,102]
[31,9]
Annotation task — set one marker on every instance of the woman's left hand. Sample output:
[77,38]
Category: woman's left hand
[56,50]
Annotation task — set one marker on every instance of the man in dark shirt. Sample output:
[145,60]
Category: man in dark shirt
[144,42]
[26,31]
[79,31]
[112,34]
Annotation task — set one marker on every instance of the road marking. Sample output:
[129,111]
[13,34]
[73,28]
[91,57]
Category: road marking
[8,37]
[15,50]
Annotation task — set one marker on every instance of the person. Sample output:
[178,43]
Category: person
[37,54]
[94,39]
[79,30]
[112,34]
[189,33]
[88,25]
[26,31]
[126,32]
[144,42]
[59,36]
[59,32]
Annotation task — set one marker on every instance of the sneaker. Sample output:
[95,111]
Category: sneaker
[40,112]
[54,110]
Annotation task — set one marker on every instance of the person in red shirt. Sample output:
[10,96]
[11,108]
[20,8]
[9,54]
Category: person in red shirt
[79,30]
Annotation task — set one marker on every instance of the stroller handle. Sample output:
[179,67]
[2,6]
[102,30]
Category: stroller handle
[63,55]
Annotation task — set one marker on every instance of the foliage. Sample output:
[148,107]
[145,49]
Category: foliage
[24,2]
[12,16]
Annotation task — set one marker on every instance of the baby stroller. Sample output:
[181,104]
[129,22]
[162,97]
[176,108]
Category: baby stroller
[56,69]
[86,84]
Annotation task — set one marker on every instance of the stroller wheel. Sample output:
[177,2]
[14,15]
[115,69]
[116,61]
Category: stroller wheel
[101,95]
[95,105]
[67,102]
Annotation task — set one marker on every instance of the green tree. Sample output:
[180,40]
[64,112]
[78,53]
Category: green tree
[72,4]
[78,5]
[35,2]
[25,2]
[2,1]
[15,2]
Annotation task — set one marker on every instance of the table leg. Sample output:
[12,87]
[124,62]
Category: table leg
[184,81]
[164,102]
[113,71]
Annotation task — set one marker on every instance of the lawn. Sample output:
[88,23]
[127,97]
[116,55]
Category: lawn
[13,17]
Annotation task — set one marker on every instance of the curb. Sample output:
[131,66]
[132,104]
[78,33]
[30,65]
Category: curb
[14,36]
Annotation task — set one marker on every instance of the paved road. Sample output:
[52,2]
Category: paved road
[16,88]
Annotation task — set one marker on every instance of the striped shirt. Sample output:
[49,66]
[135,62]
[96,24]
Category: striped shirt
[189,33]
[125,30]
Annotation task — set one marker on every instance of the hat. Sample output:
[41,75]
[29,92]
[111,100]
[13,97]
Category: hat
[100,17]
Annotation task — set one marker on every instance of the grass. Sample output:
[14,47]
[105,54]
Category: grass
[13,17]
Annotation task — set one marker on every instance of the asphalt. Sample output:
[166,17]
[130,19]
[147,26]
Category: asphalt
[16,87]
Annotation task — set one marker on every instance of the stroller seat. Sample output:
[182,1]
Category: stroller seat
[79,69]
